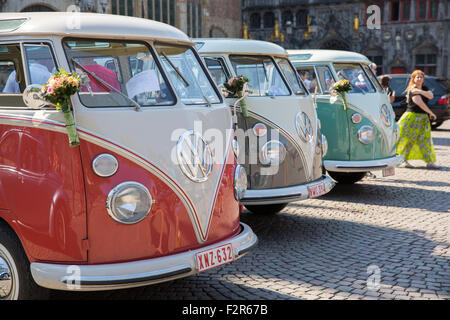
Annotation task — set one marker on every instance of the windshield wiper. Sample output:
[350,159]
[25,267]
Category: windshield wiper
[107,85]
[176,69]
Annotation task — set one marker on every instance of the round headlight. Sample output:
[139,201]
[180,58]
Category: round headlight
[105,165]
[366,134]
[129,202]
[272,153]
[385,115]
[235,145]
[324,146]
[240,182]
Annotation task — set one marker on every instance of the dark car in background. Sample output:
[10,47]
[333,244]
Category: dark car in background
[439,104]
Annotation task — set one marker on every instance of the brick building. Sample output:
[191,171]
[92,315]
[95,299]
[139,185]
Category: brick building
[412,33]
[198,18]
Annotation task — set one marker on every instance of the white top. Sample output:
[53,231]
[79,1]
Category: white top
[92,25]
[239,46]
[319,55]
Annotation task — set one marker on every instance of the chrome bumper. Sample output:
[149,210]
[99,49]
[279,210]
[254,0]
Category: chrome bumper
[363,166]
[284,195]
[132,274]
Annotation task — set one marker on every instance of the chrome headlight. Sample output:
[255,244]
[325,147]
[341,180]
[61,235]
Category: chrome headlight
[129,202]
[324,146]
[366,134]
[385,115]
[272,153]
[240,182]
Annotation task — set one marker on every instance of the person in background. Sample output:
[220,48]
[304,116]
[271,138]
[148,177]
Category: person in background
[39,75]
[373,67]
[415,141]
[385,82]
[305,78]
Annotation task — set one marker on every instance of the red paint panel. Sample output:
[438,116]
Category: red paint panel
[42,187]
[166,230]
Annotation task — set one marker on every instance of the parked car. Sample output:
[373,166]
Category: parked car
[144,198]
[4,275]
[362,137]
[440,104]
[281,130]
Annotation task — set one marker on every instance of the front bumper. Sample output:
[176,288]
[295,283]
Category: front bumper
[284,195]
[363,166]
[132,274]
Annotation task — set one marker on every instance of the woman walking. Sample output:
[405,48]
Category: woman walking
[415,131]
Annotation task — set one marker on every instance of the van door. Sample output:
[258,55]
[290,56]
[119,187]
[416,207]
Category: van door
[44,187]
[335,127]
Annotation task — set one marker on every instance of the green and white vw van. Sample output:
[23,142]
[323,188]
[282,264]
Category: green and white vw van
[280,142]
[362,137]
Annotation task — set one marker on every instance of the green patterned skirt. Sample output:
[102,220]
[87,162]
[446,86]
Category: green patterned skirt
[415,137]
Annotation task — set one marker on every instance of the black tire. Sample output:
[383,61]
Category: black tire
[22,285]
[267,208]
[435,125]
[347,177]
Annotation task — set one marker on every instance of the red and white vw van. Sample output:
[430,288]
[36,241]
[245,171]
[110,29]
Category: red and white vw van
[148,195]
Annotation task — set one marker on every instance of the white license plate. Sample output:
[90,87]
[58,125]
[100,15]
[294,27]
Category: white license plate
[388,172]
[214,257]
[317,190]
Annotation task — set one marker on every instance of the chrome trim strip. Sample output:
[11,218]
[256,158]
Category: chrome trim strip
[363,166]
[133,274]
[284,195]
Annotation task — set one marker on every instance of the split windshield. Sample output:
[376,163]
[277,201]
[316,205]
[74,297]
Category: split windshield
[356,75]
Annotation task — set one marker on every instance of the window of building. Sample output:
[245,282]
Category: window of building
[427,63]
[301,18]
[395,10]
[287,16]
[255,20]
[421,10]
[269,20]
[161,10]
[405,10]
[433,9]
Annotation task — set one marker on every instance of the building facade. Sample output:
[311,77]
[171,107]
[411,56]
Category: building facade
[401,36]
[197,18]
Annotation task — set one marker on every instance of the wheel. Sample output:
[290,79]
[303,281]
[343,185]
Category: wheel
[347,177]
[20,284]
[267,208]
[436,124]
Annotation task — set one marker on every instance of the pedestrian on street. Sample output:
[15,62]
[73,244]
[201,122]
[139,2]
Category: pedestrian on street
[373,67]
[415,141]
[385,82]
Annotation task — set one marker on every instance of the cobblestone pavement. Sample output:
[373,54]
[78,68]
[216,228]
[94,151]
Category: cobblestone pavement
[394,229]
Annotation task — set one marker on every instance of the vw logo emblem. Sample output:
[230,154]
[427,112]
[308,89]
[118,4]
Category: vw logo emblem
[194,156]
[385,115]
[304,126]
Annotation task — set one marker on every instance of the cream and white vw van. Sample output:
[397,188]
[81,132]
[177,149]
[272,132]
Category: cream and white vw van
[362,137]
[152,191]
[280,143]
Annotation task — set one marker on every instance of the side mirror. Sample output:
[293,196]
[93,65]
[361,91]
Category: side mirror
[32,97]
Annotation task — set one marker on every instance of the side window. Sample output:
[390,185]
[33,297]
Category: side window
[12,78]
[217,70]
[291,76]
[325,78]
[373,78]
[41,65]
[308,76]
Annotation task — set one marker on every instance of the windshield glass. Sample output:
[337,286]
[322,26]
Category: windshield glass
[187,75]
[356,75]
[113,72]
[264,78]
[291,76]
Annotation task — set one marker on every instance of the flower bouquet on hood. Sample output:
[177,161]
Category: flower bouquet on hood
[58,90]
[238,87]
[341,88]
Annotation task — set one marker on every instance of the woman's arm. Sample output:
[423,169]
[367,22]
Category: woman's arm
[392,97]
[418,101]
[427,94]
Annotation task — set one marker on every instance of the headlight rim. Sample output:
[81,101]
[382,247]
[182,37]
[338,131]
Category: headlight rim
[360,132]
[112,195]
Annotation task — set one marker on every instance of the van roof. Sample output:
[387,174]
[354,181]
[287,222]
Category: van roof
[240,46]
[79,24]
[319,55]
